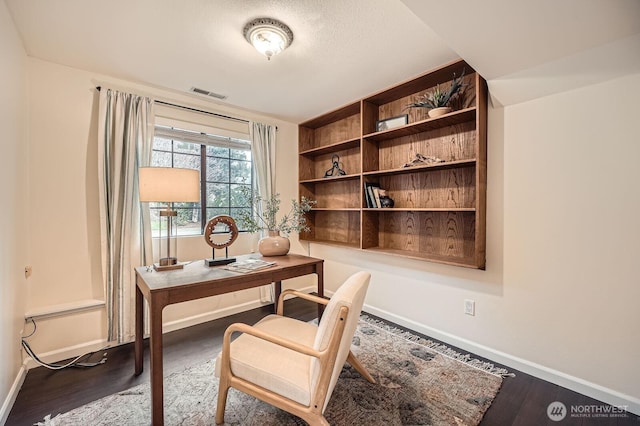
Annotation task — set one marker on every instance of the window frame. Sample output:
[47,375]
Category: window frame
[204,140]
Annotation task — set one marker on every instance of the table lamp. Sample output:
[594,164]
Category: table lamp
[168,185]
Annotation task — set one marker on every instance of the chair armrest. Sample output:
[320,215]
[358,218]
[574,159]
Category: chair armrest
[311,297]
[253,331]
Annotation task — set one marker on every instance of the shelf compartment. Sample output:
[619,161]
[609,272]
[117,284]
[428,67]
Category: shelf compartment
[335,193]
[329,129]
[453,143]
[440,189]
[394,101]
[335,226]
[436,234]
[311,168]
[451,119]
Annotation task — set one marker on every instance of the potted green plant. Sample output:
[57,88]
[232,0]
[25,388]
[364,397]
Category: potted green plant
[437,100]
[264,216]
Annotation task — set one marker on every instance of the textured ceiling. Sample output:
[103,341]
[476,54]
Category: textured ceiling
[343,49]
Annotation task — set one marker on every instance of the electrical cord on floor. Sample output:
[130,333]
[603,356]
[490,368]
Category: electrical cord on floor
[73,363]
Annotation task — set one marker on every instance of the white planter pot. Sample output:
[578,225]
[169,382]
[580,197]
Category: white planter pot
[274,244]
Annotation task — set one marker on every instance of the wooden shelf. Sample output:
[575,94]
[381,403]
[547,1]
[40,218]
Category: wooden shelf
[451,119]
[345,209]
[330,179]
[332,243]
[425,209]
[331,148]
[462,261]
[422,168]
[440,208]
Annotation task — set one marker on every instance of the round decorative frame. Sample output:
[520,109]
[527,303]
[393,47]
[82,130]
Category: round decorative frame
[233,231]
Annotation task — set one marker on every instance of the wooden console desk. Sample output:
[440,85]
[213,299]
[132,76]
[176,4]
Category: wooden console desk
[196,281]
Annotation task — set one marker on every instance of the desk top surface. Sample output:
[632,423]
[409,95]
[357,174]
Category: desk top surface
[197,272]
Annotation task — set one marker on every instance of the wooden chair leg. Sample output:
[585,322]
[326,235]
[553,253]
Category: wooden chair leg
[314,419]
[353,361]
[222,398]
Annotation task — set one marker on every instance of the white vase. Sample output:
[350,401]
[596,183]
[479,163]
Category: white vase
[274,244]
[437,112]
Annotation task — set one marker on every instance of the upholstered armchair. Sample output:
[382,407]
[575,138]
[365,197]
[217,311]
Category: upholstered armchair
[292,364]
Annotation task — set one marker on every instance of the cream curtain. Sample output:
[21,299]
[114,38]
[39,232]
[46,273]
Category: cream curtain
[263,151]
[125,135]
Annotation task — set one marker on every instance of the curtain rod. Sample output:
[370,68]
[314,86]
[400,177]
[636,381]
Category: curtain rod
[98,88]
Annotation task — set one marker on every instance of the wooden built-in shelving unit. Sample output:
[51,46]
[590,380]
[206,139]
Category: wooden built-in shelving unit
[439,211]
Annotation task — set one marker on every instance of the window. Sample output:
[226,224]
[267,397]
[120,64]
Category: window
[224,164]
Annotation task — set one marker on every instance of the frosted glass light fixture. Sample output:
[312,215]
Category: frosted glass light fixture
[168,185]
[269,36]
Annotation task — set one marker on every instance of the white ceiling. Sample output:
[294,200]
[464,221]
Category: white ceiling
[343,49]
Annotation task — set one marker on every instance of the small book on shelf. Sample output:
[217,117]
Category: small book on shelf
[370,195]
[376,194]
[248,265]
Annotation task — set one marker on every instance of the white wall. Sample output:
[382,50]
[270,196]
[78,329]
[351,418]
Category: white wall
[559,297]
[64,214]
[14,231]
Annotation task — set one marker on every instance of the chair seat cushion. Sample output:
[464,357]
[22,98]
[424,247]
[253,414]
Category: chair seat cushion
[271,366]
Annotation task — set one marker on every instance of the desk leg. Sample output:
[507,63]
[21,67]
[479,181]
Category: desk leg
[320,274]
[155,346]
[277,290]
[139,342]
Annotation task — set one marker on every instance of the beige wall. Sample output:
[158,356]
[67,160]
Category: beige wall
[14,231]
[559,297]
[64,213]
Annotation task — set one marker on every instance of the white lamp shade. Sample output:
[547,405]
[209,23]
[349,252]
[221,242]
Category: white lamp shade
[169,185]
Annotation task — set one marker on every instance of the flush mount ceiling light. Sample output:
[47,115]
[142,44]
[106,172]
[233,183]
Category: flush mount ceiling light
[268,36]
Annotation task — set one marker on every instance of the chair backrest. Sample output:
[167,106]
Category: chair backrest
[350,294]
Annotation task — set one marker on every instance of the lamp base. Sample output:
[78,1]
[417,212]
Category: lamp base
[168,264]
[218,262]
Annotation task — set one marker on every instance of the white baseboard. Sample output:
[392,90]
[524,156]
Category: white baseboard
[576,384]
[13,394]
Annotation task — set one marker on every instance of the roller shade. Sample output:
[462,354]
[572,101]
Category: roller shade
[201,138]
[209,123]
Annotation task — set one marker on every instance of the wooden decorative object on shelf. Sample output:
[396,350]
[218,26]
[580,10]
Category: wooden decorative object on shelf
[439,205]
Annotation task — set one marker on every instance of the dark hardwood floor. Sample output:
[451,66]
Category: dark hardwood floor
[522,400]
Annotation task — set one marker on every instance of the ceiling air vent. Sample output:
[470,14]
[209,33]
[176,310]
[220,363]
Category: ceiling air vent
[208,93]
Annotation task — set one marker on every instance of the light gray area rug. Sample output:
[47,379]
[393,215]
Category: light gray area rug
[419,382]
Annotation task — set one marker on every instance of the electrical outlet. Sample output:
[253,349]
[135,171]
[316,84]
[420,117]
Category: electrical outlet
[28,270]
[469,307]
